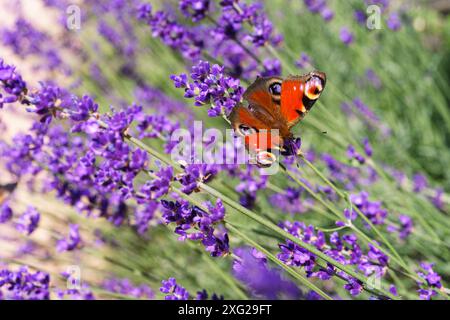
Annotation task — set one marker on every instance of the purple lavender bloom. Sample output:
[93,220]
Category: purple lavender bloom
[367,147]
[315,5]
[393,290]
[144,11]
[84,293]
[405,228]
[327,14]
[24,285]
[173,290]
[272,67]
[126,287]
[348,175]
[354,286]
[304,62]
[6,212]
[83,109]
[350,214]
[294,255]
[352,154]
[195,9]
[375,262]
[393,22]
[203,295]
[171,33]
[72,242]
[431,281]
[235,14]
[291,201]
[156,188]
[420,182]
[262,281]
[250,184]
[291,146]
[320,7]
[426,294]
[437,199]
[195,173]
[28,221]
[195,224]
[144,215]
[360,17]
[346,36]
[371,209]
[373,78]
[211,86]
[12,84]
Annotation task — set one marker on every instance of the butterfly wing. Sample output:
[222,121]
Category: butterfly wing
[298,95]
[291,107]
[263,93]
[253,124]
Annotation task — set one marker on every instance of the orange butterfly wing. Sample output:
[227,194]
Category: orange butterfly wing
[292,108]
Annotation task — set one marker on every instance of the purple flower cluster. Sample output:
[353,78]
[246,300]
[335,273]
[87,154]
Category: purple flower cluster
[320,7]
[12,84]
[126,287]
[420,182]
[24,285]
[25,40]
[262,281]
[431,281]
[195,173]
[344,249]
[374,80]
[371,209]
[292,201]
[72,242]
[28,221]
[250,183]
[173,290]
[210,86]
[349,176]
[235,14]
[195,224]
[346,36]
[393,22]
[195,9]
[171,33]
[304,62]
[404,228]
[6,212]
[353,154]
[95,172]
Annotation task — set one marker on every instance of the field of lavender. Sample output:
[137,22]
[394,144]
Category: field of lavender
[96,203]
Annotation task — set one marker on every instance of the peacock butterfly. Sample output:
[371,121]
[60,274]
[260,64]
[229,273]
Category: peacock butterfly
[274,103]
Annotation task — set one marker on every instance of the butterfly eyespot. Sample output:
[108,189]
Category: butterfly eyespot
[313,88]
[275,89]
[245,130]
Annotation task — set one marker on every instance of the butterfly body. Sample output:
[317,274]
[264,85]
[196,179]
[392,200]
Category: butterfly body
[275,103]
